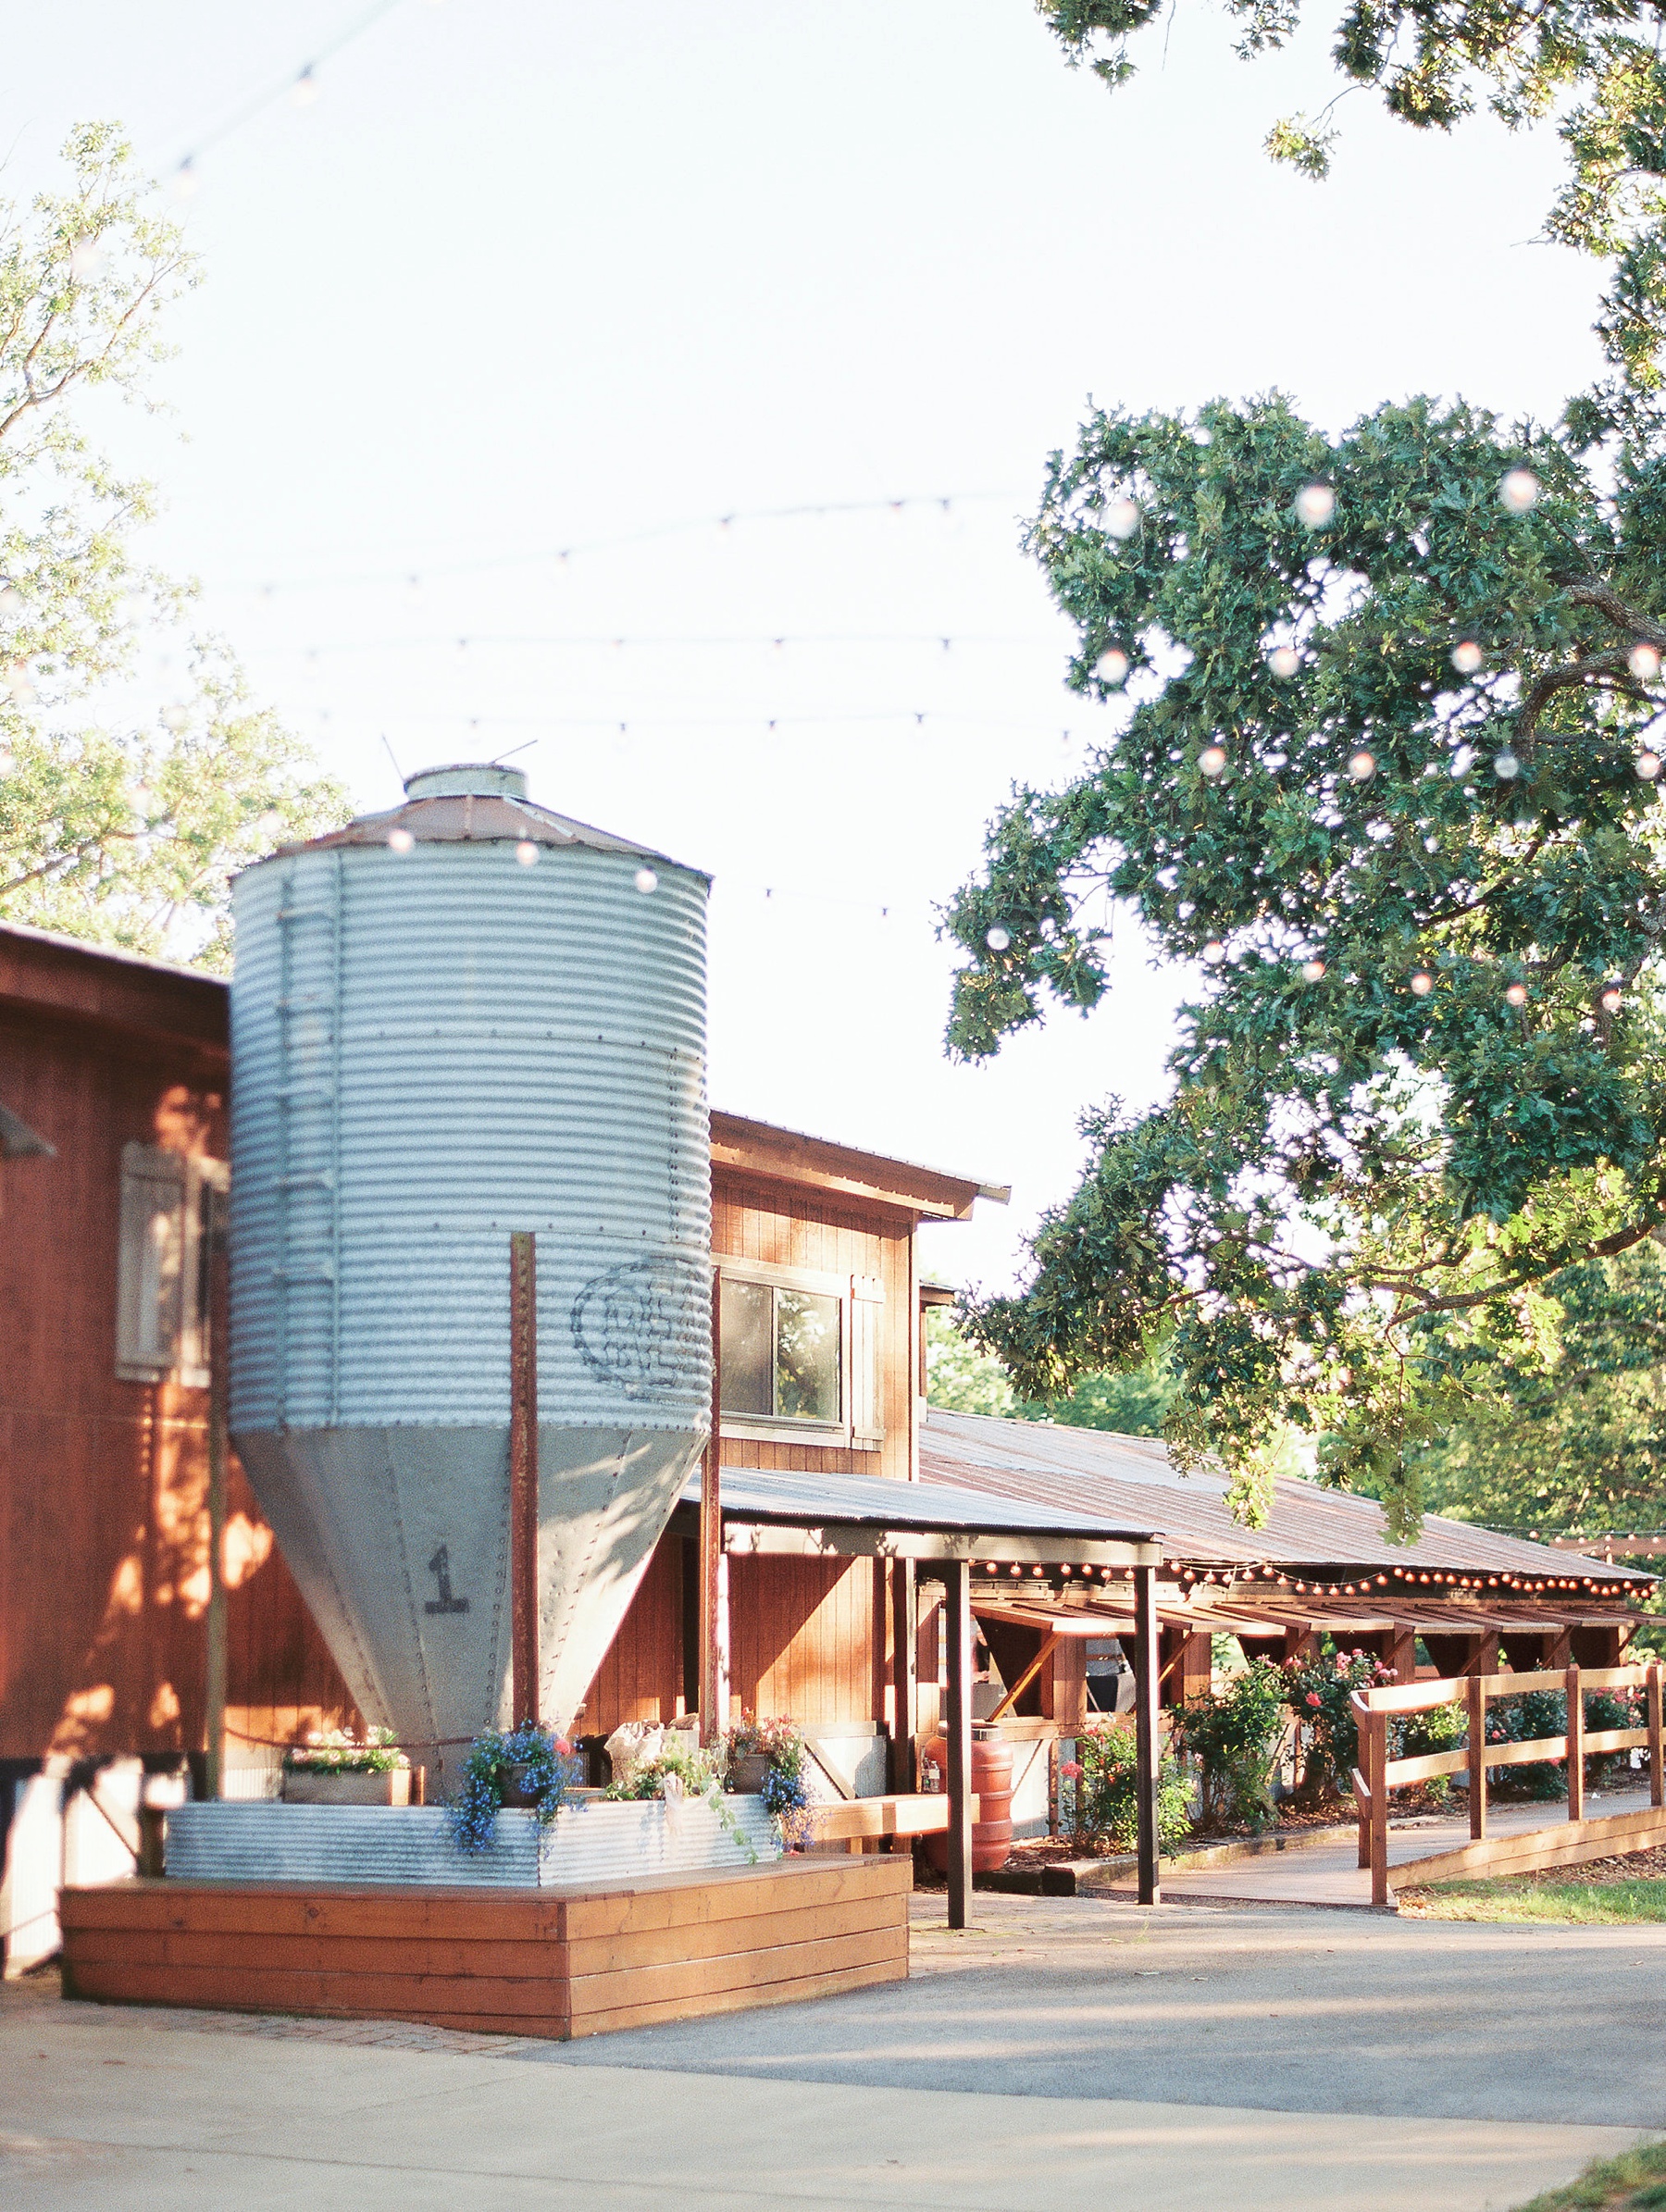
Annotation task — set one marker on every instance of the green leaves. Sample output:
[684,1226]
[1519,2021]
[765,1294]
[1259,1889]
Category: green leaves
[115,825]
[1596,63]
[1374,769]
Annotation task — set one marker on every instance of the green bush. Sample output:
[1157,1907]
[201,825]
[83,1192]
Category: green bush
[1320,1693]
[1106,1790]
[1442,1728]
[1234,1738]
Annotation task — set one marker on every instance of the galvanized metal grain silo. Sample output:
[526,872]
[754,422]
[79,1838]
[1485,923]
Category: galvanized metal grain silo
[462,1019]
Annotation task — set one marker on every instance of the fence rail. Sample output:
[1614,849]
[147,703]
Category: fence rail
[1378,1774]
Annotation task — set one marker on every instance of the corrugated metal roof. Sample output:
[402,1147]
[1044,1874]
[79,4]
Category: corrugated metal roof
[880,1501]
[1130,1479]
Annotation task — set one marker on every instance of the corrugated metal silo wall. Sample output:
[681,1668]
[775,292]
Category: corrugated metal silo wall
[431,1050]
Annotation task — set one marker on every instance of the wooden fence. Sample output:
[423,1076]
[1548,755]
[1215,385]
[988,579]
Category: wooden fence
[1377,1774]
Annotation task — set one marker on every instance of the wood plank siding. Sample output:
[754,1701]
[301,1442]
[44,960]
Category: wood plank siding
[104,1484]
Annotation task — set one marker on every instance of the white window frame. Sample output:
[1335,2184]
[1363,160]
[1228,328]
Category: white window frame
[163,1324]
[860,1426]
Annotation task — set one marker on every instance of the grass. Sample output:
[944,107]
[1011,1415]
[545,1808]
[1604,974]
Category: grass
[1537,1897]
[1634,2182]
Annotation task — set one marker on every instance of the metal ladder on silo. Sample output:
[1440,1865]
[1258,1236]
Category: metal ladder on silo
[308,1275]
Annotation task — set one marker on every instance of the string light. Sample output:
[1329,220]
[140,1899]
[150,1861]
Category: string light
[1467,657]
[399,841]
[304,90]
[1361,767]
[1111,666]
[1211,761]
[997,939]
[1611,998]
[646,881]
[1312,970]
[526,853]
[1284,661]
[1122,517]
[1214,952]
[1316,504]
[1422,983]
[1505,765]
[1519,490]
[1517,994]
[1647,764]
[1644,661]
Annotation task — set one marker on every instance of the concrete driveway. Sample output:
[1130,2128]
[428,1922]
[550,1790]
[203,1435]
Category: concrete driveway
[1061,2054]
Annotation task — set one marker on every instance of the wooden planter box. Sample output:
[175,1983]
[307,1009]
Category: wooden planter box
[392,1788]
[557,1962]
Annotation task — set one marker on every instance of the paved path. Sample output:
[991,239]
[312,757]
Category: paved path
[1330,1873]
[1063,2053]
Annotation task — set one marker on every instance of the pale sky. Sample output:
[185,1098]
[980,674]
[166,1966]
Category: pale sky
[530,274]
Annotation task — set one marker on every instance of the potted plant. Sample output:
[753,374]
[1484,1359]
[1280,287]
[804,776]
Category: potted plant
[766,1759]
[526,1767]
[337,1768]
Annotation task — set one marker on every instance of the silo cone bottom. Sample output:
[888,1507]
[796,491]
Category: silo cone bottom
[399,1540]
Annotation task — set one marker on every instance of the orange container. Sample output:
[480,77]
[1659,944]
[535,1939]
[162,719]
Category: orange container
[992,1786]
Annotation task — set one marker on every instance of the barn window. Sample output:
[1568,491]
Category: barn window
[800,1354]
[162,1304]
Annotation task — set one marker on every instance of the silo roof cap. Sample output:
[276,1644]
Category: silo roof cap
[480,802]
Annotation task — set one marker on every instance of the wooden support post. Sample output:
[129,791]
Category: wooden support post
[957,1731]
[1656,1764]
[216,1667]
[905,1670]
[1378,1770]
[1362,1800]
[523,1477]
[1475,1696]
[710,1534]
[1147,1749]
[1576,1747]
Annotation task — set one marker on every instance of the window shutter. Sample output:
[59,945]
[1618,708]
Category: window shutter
[868,1320]
[151,1284]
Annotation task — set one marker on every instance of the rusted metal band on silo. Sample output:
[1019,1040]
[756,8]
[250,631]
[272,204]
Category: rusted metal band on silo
[523,1472]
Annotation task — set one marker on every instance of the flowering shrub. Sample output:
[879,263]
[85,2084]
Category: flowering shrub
[339,1751]
[1318,1691]
[1234,1738]
[1107,1789]
[537,1761]
[785,1797]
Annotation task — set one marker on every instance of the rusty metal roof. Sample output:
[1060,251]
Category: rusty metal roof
[1313,1532]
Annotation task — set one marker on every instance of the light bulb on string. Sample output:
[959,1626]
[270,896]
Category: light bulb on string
[1112,666]
[1644,661]
[1284,661]
[646,881]
[997,939]
[1122,517]
[1611,998]
[86,260]
[1519,490]
[1211,761]
[1516,994]
[176,717]
[185,179]
[304,90]
[1361,767]
[1315,505]
[399,841]
[1422,983]
[1647,764]
[1505,765]
[1214,952]
[1312,971]
[526,853]
[1467,657]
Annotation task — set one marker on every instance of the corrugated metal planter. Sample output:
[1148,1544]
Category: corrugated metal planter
[219,1841]
[466,1018]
